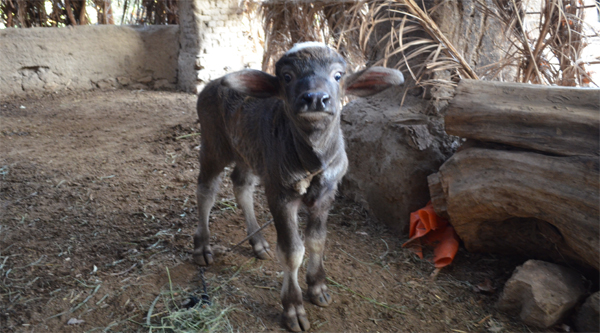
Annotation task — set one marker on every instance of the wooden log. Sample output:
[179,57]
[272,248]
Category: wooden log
[556,120]
[522,202]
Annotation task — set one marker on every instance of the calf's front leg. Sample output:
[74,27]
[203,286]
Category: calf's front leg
[290,251]
[316,234]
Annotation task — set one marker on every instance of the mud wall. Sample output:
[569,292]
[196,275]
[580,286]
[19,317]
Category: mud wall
[87,57]
[213,38]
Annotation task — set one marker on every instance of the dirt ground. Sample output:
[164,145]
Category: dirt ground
[97,209]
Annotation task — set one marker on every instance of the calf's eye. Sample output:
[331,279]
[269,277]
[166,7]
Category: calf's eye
[287,78]
[338,76]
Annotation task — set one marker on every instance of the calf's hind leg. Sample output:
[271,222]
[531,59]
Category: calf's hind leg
[208,186]
[243,187]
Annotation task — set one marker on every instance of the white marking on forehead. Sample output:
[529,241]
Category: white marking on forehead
[300,46]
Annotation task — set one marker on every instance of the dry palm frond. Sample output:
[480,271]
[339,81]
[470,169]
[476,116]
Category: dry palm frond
[344,22]
[429,25]
[22,13]
[416,44]
[32,13]
[105,12]
[548,52]
[287,23]
[337,23]
[388,33]
[150,12]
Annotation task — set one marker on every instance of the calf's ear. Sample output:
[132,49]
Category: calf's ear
[252,82]
[372,80]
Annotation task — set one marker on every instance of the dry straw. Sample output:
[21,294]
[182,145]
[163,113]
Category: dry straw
[550,52]
[401,34]
[390,33]
[35,13]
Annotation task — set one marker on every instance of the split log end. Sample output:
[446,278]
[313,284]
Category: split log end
[438,197]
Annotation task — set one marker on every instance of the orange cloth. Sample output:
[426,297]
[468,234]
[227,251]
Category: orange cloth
[426,228]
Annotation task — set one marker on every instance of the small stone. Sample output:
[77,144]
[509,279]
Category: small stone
[198,64]
[542,293]
[145,79]
[75,321]
[107,84]
[203,76]
[51,86]
[123,80]
[138,86]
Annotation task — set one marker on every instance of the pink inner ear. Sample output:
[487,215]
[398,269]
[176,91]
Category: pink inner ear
[370,84]
[366,84]
[369,80]
[257,83]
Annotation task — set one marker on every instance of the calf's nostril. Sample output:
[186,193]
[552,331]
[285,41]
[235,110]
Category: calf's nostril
[316,101]
[308,98]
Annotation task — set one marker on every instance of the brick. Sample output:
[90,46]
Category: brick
[222,4]
[220,30]
[232,24]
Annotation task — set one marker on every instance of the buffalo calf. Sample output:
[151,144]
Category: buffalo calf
[284,129]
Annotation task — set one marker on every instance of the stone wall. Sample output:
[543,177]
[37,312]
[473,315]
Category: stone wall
[219,37]
[87,57]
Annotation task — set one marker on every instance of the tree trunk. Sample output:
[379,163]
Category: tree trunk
[481,188]
[533,188]
[556,120]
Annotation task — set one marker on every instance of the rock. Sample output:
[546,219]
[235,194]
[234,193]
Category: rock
[164,85]
[145,79]
[203,76]
[105,84]
[51,87]
[123,80]
[541,293]
[47,76]
[138,86]
[392,149]
[587,318]
[32,82]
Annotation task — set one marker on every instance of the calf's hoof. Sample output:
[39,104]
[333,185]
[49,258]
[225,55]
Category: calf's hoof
[295,319]
[261,249]
[264,254]
[203,255]
[319,295]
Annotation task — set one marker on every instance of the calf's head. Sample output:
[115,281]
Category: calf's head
[311,80]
